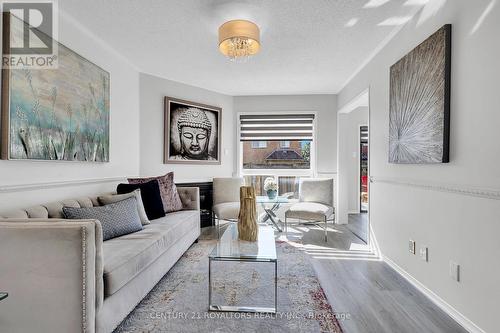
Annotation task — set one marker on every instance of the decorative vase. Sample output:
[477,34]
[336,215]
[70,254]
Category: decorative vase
[247,219]
[271,194]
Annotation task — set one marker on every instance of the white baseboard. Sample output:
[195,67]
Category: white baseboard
[451,311]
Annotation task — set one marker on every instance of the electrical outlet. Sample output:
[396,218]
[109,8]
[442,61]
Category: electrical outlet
[411,246]
[424,253]
[455,271]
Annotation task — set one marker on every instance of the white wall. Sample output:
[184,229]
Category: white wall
[444,206]
[124,133]
[326,122]
[152,92]
[348,177]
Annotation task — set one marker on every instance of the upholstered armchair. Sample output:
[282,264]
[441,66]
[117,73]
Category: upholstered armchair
[226,198]
[315,203]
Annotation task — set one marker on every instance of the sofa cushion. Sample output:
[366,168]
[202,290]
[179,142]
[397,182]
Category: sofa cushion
[55,209]
[150,194]
[15,214]
[169,195]
[117,219]
[37,212]
[85,202]
[127,256]
[112,198]
[50,210]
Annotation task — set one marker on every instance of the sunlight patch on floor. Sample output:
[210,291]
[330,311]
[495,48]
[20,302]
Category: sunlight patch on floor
[359,247]
[334,249]
[347,258]
[332,255]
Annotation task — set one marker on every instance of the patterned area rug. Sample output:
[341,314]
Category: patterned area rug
[179,302]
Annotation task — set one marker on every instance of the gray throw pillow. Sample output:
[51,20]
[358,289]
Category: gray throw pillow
[117,219]
[112,198]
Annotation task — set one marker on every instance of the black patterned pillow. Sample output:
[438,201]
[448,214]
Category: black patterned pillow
[151,197]
[117,219]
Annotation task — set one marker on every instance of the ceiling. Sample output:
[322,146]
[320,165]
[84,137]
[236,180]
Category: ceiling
[308,47]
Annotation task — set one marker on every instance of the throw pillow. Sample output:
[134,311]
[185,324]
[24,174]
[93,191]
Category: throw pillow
[151,198]
[112,198]
[169,195]
[118,219]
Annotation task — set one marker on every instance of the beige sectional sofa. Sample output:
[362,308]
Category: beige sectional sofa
[61,276]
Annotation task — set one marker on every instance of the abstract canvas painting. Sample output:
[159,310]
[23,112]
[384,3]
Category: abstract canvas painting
[419,116]
[56,114]
[192,132]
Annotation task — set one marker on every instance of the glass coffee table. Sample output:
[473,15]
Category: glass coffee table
[230,248]
[270,206]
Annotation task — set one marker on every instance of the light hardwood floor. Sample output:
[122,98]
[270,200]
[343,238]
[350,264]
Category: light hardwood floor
[358,225]
[358,284]
[375,296]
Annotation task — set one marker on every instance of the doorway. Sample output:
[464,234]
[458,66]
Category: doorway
[353,167]
[363,169]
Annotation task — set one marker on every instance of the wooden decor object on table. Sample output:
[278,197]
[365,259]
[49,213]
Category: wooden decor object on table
[247,219]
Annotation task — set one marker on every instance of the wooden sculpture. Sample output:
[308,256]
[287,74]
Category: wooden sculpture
[247,219]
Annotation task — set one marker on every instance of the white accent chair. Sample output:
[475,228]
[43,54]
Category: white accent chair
[315,203]
[226,199]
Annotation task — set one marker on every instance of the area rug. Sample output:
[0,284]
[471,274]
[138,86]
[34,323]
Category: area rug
[179,302]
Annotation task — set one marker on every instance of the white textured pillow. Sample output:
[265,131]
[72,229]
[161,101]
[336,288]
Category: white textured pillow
[110,199]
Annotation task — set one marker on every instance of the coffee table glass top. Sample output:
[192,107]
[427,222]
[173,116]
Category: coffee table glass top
[231,248]
[277,199]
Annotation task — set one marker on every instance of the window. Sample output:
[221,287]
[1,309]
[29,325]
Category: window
[273,155]
[259,144]
[285,150]
[285,144]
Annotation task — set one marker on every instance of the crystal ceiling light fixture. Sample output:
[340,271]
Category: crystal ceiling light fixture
[239,39]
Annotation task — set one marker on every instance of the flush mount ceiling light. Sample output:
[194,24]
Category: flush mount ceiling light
[239,39]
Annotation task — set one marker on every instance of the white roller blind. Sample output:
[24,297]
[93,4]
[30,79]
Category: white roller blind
[276,127]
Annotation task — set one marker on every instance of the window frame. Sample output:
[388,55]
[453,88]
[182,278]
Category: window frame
[311,172]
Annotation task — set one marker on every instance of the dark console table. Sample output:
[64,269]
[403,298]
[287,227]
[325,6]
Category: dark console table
[206,201]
